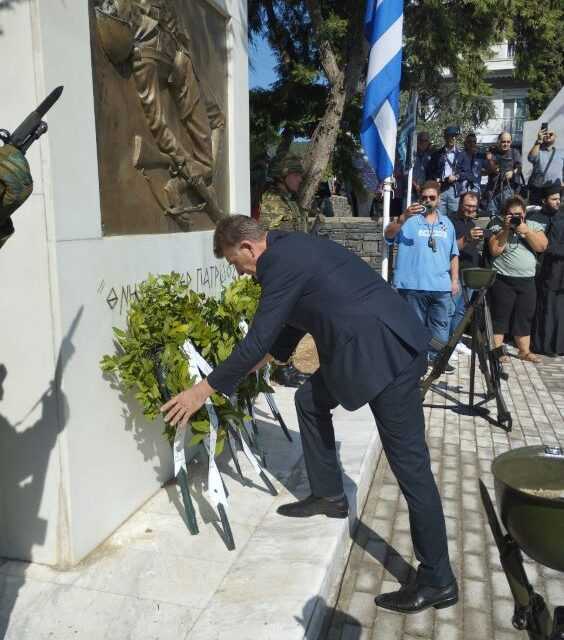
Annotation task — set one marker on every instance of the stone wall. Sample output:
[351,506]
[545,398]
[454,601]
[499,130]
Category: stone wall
[363,236]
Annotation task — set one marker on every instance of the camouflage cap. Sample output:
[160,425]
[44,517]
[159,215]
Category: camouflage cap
[281,167]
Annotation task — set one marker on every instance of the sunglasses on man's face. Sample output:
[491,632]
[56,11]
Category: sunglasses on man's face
[431,198]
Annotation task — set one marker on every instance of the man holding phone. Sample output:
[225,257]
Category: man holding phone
[547,161]
[426,269]
[468,238]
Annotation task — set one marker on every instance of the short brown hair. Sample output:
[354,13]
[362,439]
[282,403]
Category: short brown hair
[431,184]
[515,201]
[467,194]
[232,230]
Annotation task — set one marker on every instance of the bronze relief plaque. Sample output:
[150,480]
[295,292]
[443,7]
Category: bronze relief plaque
[160,95]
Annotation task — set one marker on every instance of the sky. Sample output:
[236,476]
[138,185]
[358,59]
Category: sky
[261,65]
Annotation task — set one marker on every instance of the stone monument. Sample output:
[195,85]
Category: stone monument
[149,140]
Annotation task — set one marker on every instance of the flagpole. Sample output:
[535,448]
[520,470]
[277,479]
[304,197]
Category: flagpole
[387,187]
[409,185]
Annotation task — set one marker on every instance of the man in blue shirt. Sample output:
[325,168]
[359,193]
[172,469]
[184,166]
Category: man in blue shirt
[426,268]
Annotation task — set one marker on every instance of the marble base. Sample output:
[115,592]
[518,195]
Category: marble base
[153,580]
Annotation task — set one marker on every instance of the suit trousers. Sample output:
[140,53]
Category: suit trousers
[398,412]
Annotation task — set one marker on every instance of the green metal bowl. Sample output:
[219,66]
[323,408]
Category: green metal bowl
[535,522]
[477,278]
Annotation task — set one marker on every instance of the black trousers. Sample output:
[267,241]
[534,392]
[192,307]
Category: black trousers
[512,304]
[399,417]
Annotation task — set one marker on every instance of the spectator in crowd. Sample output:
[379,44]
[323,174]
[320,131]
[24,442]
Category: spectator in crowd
[468,236]
[471,166]
[512,247]
[548,164]
[548,333]
[503,166]
[421,162]
[443,168]
[426,269]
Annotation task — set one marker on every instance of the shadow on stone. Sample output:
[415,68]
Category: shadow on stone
[24,459]
[392,561]
[319,621]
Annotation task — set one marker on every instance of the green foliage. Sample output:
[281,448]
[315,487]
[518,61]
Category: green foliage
[539,50]
[453,37]
[166,313]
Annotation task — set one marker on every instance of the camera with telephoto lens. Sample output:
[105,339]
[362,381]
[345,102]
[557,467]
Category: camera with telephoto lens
[516,221]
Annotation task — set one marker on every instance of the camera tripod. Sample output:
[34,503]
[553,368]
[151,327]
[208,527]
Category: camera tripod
[477,318]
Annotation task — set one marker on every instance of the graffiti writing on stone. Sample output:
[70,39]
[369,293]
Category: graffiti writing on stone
[209,280]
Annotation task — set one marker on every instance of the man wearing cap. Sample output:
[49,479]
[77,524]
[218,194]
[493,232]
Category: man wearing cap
[279,207]
[444,168]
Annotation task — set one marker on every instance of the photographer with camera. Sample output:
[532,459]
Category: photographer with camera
[444,169]
[426,268]
[547,161]
[503,166]
[471,166]
[512,248]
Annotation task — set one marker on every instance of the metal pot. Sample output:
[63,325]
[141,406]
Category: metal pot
[535,522]
[477,278]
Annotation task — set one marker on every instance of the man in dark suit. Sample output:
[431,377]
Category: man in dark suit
[372,349]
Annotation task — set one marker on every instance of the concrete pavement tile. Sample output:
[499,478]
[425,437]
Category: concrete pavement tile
[447,631]
[555,591]
[475,566]
[420,624]
[476,594]
[500,586]
[388,626]
[477,624]
[503,613]
[362,608]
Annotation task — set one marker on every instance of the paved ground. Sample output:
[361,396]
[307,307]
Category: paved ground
[462,448]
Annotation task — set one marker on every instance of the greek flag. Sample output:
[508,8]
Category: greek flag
[383,26]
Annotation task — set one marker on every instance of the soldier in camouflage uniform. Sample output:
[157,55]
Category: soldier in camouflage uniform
[279,208]
[16,186]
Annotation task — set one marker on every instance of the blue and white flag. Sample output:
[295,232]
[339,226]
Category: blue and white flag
[383,26]
[406,137]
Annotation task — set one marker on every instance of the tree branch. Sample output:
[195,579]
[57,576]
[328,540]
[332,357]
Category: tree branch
[326,53]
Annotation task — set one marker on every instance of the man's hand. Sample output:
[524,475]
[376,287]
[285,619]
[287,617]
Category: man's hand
[183,406]
[452,178]
[412,210]
[455,287]
[476,233]
[509,175]
[267,358]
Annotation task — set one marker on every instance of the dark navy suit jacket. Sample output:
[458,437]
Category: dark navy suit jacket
[365,333]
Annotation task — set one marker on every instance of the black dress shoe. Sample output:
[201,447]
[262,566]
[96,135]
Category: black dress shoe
[289,376]
[415,597]
[313,506]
